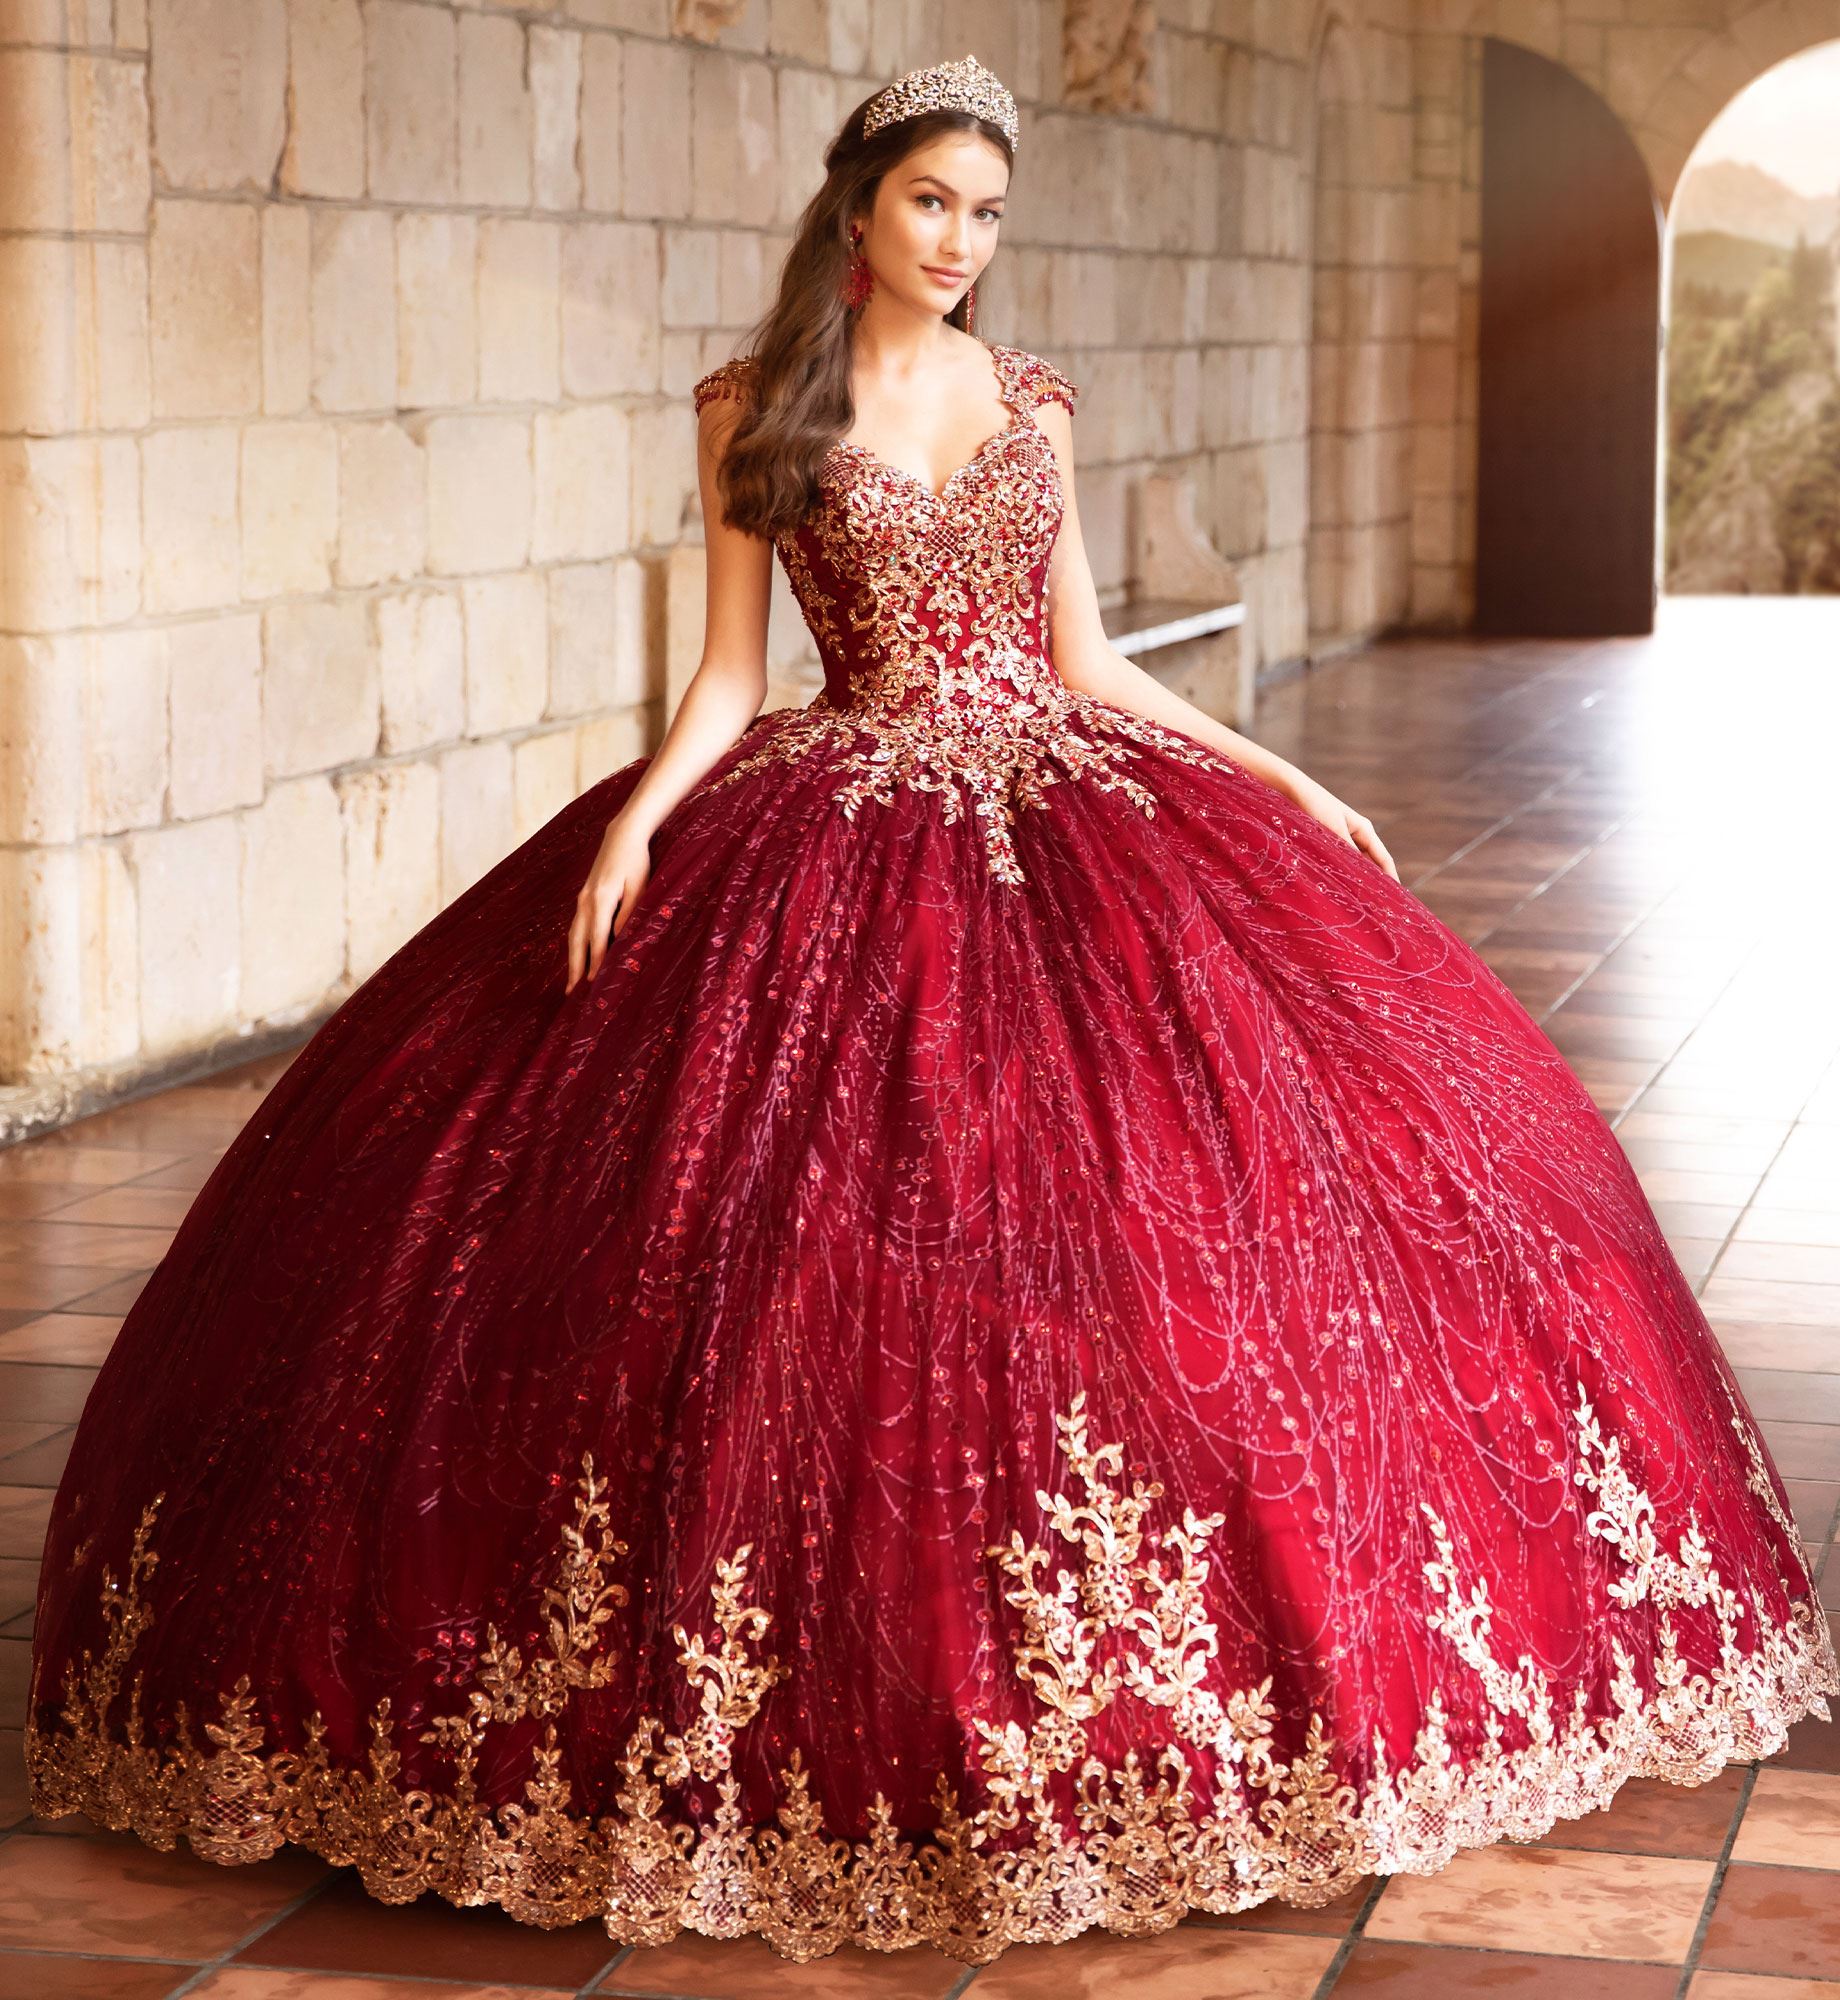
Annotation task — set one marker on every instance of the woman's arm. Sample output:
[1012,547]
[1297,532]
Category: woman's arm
[1089,663]
[730,682]
[724,696]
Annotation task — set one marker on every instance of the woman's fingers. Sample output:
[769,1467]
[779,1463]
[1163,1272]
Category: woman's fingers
[578,948]
[585,934]
[604,906]
[606,909]
[1369,841]
[628,895]
[605,902]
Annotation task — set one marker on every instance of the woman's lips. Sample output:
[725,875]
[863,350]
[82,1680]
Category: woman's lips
[945,277]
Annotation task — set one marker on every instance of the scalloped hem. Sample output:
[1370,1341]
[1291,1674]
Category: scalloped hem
[806,1894]
[1210,1819]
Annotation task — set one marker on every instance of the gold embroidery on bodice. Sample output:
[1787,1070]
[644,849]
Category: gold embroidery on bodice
[929,613]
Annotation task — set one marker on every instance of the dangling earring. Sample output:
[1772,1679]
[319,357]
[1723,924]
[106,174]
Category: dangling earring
[971,310]
[858,280]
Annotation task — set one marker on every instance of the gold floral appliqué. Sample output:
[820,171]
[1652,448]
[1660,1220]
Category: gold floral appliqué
[1206,1816]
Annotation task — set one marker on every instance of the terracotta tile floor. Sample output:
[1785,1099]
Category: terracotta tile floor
[1637,837]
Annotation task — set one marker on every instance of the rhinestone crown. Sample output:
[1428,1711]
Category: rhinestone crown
[959,86]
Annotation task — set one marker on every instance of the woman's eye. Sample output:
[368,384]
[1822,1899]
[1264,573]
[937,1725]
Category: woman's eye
[989,214]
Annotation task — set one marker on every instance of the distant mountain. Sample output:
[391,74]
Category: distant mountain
[1727,536]
[1742,200]
[1753,451]
[1727,263]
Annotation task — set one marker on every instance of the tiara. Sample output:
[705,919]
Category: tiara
[959,86]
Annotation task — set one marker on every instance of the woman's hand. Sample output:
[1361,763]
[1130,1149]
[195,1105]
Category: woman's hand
[1341,820]
[618,878]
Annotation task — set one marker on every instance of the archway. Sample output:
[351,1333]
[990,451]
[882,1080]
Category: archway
[1667,81]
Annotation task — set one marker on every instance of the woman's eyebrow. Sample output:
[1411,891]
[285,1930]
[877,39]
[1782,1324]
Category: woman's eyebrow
[947,185]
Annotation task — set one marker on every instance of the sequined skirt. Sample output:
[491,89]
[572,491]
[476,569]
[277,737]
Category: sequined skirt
[927,1402]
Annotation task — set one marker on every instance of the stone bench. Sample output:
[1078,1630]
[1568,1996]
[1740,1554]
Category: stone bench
[1181,616]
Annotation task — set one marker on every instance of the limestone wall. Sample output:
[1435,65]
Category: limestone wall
[332,375]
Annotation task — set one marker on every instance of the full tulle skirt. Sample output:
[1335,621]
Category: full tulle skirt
[916,1406]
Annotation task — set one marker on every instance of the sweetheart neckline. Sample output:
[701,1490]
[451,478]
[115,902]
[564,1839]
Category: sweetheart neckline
[1020,421]
[1002,359]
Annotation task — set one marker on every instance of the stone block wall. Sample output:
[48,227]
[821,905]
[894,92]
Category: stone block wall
[334,435]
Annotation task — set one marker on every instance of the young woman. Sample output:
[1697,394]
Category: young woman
[1021,1339]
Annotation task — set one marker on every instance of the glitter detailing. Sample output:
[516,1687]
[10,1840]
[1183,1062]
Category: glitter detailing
[928,611]
[1114,1615]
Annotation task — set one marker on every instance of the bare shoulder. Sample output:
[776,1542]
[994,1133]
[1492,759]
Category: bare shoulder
[969,361]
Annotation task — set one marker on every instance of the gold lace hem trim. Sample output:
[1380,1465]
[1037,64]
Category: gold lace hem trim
[1140,1846]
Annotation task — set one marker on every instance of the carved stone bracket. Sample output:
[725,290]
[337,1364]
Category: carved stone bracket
[1173,556]
[1105,54]
[1182,617]
[705,20]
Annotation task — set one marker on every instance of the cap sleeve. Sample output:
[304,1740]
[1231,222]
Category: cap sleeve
[731,379]
[1046,384]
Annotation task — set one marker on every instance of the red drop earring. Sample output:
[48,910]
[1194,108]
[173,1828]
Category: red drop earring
[971,310]
[858,279]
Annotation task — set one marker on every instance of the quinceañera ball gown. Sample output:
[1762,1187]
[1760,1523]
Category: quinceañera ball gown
[1043,1346]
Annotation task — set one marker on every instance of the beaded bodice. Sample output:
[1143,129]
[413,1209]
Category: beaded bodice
[929,614]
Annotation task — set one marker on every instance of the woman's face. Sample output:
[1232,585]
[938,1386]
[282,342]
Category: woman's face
[934,224]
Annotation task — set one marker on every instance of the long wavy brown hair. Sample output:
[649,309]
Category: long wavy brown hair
[800,348]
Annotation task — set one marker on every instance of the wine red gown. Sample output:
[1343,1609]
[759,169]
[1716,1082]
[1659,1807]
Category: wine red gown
[1043,1346]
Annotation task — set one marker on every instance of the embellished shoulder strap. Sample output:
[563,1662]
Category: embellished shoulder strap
[1038,381]
[733,378]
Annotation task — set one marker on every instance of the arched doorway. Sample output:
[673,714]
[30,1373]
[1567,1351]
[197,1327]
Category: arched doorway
[1569,349]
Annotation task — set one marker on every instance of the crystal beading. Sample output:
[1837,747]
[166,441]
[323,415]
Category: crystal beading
[959,86]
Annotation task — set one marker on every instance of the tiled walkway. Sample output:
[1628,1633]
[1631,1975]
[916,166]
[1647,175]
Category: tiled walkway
[1640,839]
